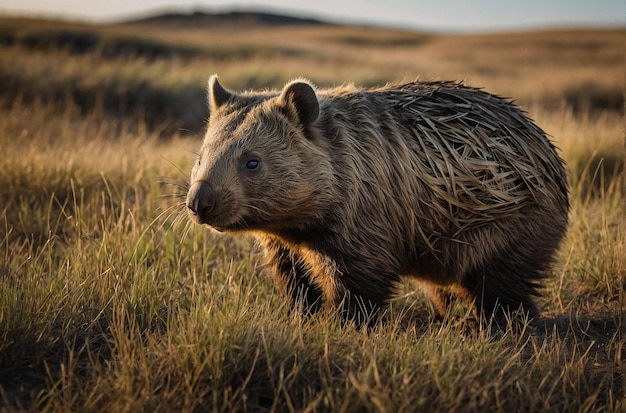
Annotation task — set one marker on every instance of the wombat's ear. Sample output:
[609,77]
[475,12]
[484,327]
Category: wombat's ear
[300,100]
[217,94]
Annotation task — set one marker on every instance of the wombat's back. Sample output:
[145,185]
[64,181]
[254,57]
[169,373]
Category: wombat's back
[476,153]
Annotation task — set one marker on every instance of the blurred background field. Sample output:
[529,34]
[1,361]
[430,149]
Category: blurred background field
[159,67]
[110,301]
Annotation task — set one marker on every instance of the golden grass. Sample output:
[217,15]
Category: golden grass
[106,305]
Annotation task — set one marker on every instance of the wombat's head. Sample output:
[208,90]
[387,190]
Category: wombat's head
[261,166]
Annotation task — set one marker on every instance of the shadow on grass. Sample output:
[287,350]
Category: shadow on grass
[34,361]
[596,344]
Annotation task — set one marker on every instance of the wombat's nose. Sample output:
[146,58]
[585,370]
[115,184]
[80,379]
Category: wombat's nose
[200,200]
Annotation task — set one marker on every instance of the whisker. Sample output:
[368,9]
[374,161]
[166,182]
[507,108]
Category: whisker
[176,166]
[176,183]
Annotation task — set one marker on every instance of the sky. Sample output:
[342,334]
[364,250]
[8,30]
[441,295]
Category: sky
[428,15]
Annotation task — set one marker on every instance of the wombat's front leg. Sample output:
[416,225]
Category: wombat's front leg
[360,310]
[292,277]
[363,302]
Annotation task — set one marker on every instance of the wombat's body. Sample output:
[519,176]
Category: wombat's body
[349,189]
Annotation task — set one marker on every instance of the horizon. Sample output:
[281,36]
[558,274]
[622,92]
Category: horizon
[482,16]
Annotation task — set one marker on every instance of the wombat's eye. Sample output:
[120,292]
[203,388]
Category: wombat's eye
[252,164]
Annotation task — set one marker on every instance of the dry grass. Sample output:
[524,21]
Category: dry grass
[105,305]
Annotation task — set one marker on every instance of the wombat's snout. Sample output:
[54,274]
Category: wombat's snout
[201,201]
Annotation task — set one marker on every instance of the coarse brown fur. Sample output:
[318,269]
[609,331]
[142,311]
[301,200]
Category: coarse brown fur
[350,189]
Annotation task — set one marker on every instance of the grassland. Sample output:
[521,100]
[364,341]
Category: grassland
[109,301]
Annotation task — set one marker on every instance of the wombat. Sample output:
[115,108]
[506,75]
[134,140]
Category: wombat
[349,189]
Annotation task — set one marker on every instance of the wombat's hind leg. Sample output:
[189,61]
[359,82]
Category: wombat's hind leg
[504,286]
[510,278]
[440,299]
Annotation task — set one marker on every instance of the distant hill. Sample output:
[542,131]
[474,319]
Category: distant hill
[220,20]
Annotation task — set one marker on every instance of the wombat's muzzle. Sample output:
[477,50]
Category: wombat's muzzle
[201,202]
